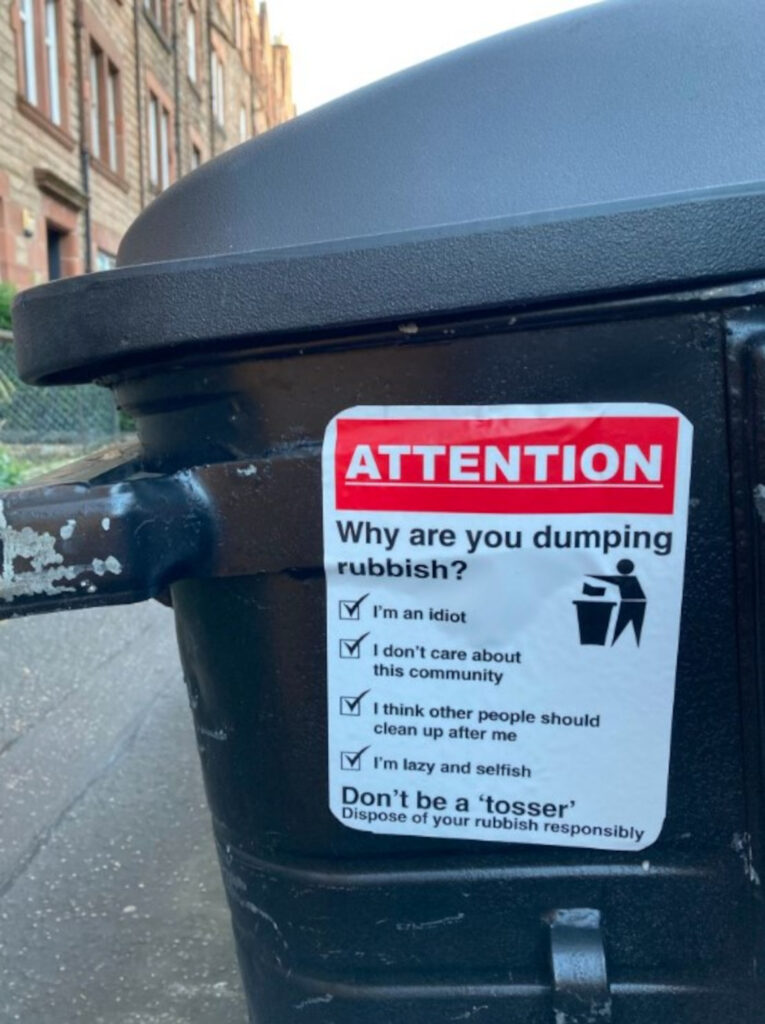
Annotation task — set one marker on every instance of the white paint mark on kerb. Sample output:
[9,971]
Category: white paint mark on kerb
[250,470]
[67,530]
[189,990]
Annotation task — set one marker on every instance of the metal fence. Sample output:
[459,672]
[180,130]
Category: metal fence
[82,416]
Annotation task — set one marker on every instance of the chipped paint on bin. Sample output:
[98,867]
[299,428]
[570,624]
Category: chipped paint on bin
[46,573]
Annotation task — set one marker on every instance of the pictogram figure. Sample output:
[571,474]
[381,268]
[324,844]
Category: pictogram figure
[595,615]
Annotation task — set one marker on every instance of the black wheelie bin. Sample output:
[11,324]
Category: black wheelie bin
[449,399]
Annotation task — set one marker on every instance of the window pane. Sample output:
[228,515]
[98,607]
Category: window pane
[219,88]
[165,148]
[105,260]
[51,53]
[95,104]
[214,84]
[26,13]
[191,45]
[153,140]
[111,116]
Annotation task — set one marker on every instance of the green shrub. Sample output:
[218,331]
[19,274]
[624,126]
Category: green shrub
[7,292]
[126,422]
[12,470]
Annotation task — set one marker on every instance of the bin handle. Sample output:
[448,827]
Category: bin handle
[105,531]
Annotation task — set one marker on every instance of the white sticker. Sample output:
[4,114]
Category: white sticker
[504,588]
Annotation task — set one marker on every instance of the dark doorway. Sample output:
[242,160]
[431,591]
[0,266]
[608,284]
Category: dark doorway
[55,244]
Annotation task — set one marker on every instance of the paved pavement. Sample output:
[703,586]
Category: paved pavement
[111,905]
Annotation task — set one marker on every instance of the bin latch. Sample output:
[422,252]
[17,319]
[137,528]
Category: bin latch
[580,982]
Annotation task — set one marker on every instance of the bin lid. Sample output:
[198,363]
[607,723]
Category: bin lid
[614,148]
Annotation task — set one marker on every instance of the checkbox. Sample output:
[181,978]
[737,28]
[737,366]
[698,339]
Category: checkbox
[350,761]
[352,648]
[352,705]
[351,609]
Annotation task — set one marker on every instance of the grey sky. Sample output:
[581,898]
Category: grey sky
[340,45]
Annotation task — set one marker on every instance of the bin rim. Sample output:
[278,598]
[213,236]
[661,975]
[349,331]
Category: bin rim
[616,148]
[84,328]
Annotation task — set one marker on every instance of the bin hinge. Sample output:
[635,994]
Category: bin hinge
[580,982]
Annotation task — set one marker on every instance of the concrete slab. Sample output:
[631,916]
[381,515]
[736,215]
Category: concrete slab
[111,906]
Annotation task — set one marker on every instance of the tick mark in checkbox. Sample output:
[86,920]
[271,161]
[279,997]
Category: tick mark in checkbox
[352,648]
[351,609]
[352,705]
[350,761]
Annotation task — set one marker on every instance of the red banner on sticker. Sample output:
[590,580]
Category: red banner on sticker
[555,465]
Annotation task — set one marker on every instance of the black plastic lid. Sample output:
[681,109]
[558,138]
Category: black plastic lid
[615,148]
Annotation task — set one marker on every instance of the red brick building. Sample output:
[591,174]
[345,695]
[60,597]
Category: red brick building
[104,103]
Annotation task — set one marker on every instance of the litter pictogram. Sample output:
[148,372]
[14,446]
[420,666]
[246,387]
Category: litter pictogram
[595,614]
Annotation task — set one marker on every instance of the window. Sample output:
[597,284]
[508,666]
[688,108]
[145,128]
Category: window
[217,86]
[95,101]
[158,10]
[191,44]
[105,109]
[29,69]
[112,101]
[105,260]
[41,76]
[153,128]
[53,66]
[164,147]
[160,151]
[196,150]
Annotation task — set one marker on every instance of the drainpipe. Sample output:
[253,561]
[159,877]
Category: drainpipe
[253,74]
[138,98]
[209,77]
[79,26]
[177,91]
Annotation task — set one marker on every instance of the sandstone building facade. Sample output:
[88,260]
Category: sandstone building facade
[104,103]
